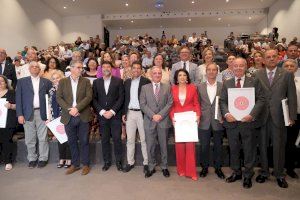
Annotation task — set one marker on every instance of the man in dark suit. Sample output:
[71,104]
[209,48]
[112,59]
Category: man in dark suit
[291,53]
[277,84]
[156,101]
[244,128]
[31,112]
[209,126]
[74,95]
[133,116]
[7,69]
[108,97]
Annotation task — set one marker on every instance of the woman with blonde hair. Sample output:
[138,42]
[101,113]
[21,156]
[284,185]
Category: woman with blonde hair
[208,57]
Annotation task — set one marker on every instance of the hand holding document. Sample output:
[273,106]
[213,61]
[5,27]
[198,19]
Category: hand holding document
[186,127]
[58,130]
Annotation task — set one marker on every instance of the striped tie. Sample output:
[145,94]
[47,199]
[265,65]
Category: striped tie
[156,91]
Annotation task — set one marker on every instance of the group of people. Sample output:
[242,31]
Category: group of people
[146,102]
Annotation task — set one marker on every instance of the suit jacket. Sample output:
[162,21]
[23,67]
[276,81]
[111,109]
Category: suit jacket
[283,86]
[256,110]
[114,99]
[25,94]
[191,102]
[208,109]
[84,95]
[10,73]
[193,72]
[150,106]
[127,85]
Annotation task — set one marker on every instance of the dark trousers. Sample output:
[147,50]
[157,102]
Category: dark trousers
[205,137]
[6,135]
[277,135]
[242,137]
[64,151]
[291,149]
[108,128]
[78,130]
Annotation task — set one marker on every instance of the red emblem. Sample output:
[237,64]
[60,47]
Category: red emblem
[60,129]
[241,103]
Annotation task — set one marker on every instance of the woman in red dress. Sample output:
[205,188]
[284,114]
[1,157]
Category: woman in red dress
[185,98]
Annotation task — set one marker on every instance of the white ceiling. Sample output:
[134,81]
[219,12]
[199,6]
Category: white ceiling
[89,7]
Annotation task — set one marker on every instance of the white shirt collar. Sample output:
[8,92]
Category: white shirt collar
[154,84]
[242,78]
[35,78]
[212,85]
[274,70]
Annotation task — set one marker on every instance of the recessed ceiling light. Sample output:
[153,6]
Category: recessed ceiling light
[131,21]
[227,1]
[193,2]
[65,7]
[161,26]
[73,0]
[120,28]
[250,17]
[190,19]
[219,18]
[126,4]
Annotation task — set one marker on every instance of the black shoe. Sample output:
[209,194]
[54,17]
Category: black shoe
[149,173]
[247,183]
[119,166]
[292,174]
[234,177]
[261,179]
[282,183]
[127,168]
[219,173]
[166,173]
[106,166]
[203,172]
[146,168]
[42,164]
[32,164]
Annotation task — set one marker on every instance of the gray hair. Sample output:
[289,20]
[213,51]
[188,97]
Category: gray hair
[34,63]
[290,60]
[74,62]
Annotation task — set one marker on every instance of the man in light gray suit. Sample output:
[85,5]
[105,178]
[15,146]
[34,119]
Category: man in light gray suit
[184,63]
[155,102]
[243,129]
[277,85]
[209,126]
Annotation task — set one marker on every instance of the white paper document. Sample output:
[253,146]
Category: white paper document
[298,140]
[3,112]
[217,107]
[241,101]
[58,130]
[186,127]
[285,109]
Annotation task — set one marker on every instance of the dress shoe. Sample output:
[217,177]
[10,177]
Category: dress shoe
[166,173]
[32,164]
[42,164]
[292,174]
[234,177]
[247,183]
[127,168]
[146,168]
[106,166]
[219,173]
[61,164]
[119,166]
[72,169]
[282,183]
[149,173]
[261,179]
[203,172]
[85,170]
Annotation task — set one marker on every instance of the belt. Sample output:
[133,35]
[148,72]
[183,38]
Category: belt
[36,108]
[134,109]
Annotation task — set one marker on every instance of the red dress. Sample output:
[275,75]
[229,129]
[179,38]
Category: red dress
[185,151]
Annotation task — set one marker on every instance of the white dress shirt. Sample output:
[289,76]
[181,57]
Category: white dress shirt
[134,94]
[211,91]
[242,81]
[74,84]
[3,66]
[154,86]
[36,85]
[187,65]
[274,71]
[106,87]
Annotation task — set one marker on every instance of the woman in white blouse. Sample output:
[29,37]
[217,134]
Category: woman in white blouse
[208,56]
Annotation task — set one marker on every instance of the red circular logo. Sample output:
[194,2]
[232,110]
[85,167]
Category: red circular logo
[241,103]
[60,129]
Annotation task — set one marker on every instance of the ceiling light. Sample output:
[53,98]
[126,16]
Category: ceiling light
[219,18]
[250,18]
[161,26]
[65,7]
[193,2]
[73,0]
[190,19]
[126,4]
[131,21]
[120,28]
[227,1]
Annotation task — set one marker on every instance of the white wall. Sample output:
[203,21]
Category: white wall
[84,26]
[285,15]
[28,22]
[217,34]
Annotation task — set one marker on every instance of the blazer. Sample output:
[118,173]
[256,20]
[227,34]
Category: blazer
[193,72]
[283,86]
[256,110]
[191,102]
[114,99]
[150,106]
[11,121]
[127,86]
[208,109]
[25,94]
[10,73]
[64,98]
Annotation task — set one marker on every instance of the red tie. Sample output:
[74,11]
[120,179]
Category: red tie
[238,83]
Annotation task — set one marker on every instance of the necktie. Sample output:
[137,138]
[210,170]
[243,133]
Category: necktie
[156,91]
[0,68]
[184,65]
[270,77]
[238,83]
